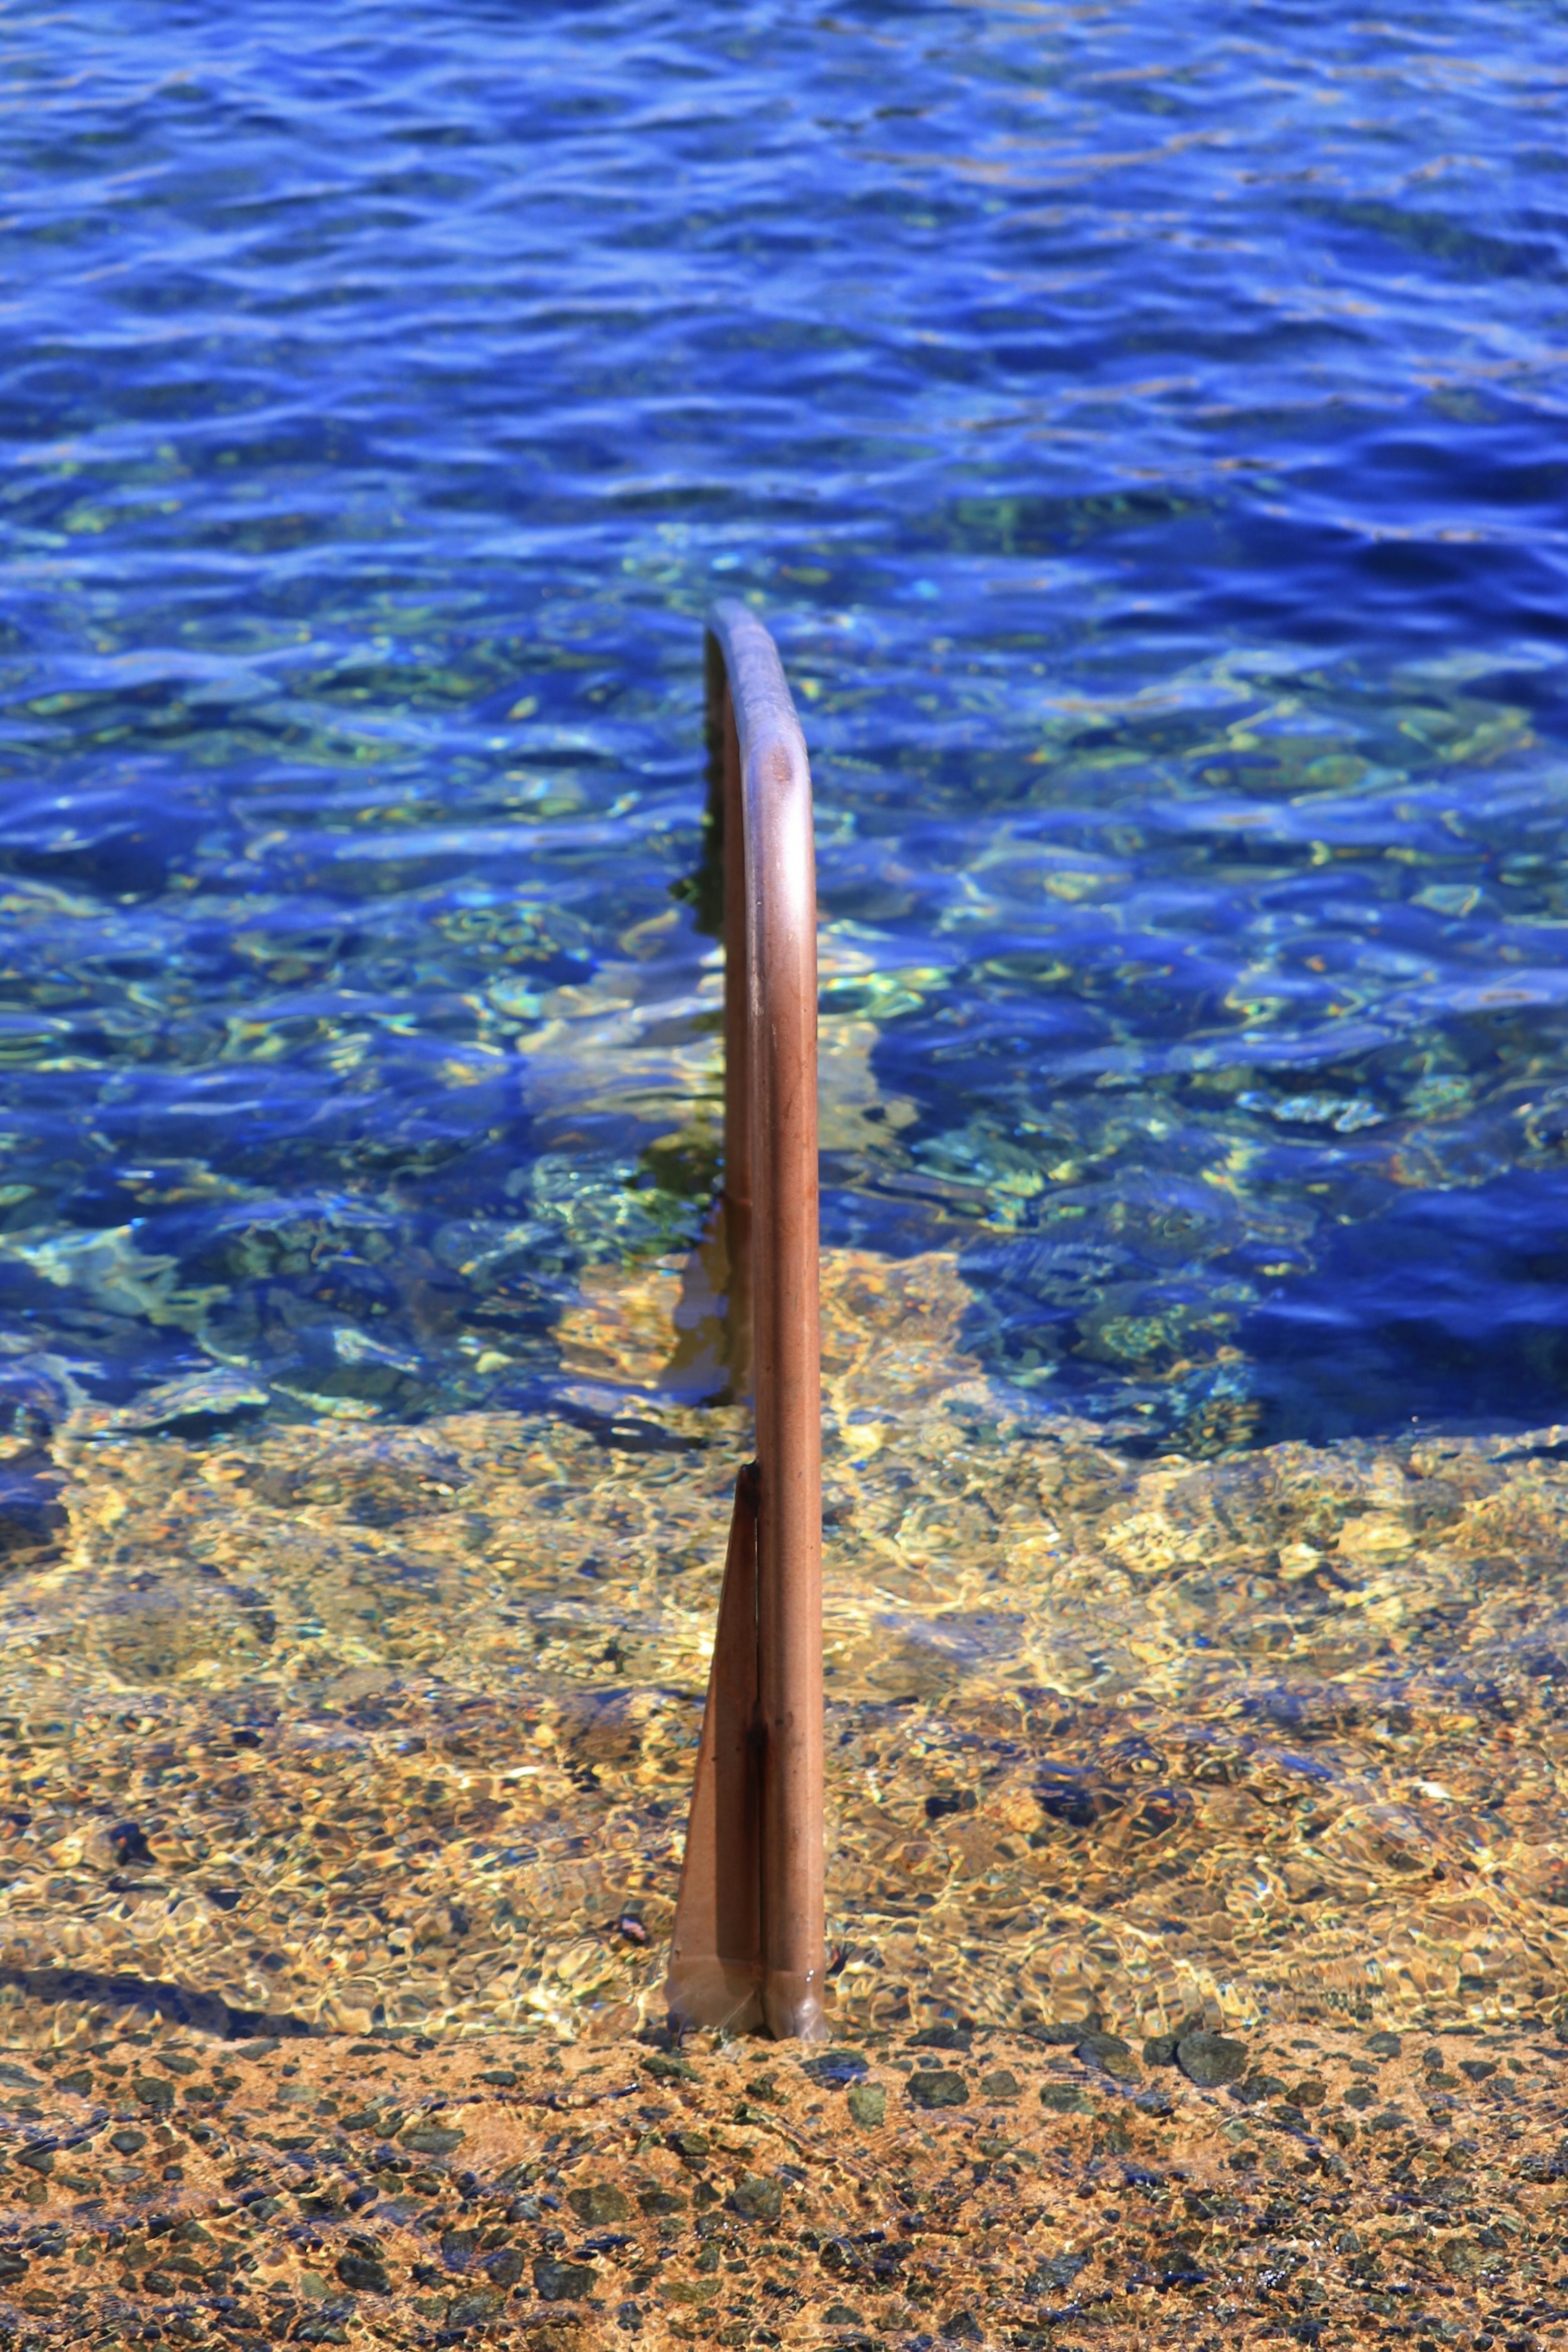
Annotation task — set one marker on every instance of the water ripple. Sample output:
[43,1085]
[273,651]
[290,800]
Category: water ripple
[1145,434]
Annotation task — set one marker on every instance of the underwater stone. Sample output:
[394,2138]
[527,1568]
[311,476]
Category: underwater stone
[1210,2059]
[561,2282]
[363,2274]
[478,2305]
[1110,2052]
[756,2198]
[869,2105]
[599,2201]
[834,2068]
[1057,2275]
[943,2036]
[939,2090]
[669,2070]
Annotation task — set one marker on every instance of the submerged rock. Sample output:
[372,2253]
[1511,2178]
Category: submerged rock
[938,2090]
[1111,2054]
[1211,2059]
[869,2105]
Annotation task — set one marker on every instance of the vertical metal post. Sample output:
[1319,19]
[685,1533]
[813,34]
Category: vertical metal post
[737,1025]
[748,1947]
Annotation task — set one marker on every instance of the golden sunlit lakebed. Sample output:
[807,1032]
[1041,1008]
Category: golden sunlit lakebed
[348,1765]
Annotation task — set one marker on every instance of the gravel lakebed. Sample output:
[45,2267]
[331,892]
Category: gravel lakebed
[940,2185]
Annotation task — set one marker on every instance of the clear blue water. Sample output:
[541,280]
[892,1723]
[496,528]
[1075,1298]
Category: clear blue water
[1145,430]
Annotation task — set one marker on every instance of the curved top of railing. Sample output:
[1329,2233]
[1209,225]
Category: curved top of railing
[764,713]
[772,746]
[770,868]
[748,1942]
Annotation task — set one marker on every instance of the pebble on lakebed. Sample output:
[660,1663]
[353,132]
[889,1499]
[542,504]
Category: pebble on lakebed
[328,2191]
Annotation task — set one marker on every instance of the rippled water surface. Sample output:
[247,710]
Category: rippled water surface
[1146,438]
[1145,431]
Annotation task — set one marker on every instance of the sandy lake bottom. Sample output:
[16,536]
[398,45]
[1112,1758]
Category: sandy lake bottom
[345,1786]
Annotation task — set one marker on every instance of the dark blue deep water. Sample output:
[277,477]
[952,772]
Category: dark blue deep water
[1144,429]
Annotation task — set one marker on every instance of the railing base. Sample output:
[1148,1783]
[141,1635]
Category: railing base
[717,1974]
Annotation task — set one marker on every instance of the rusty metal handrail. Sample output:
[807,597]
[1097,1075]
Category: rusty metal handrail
[748,1945]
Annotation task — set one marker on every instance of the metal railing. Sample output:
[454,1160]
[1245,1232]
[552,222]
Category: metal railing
[748,1945]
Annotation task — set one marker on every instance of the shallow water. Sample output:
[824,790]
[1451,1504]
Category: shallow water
[342,1729]
[1145,440]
